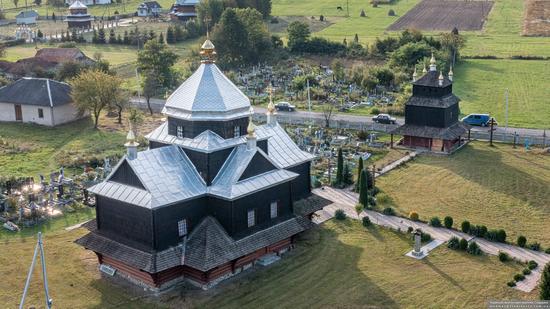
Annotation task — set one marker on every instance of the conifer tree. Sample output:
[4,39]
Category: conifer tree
[363,190]
[161,38]
[340,168]
[101,36]
[545,283]
[356,38]
[112,36]
[359,169]
[118,39]
[126,39]
[170,39]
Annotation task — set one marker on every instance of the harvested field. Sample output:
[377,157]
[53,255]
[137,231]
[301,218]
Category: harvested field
[437,15]
[536,21]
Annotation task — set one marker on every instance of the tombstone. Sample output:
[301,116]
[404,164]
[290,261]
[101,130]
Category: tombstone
[417,243]
[527,143]
[60,191]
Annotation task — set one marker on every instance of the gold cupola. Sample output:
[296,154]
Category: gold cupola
[208,51]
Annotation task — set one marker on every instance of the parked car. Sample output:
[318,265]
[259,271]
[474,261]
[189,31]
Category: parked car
[384,118]
[285,106]
[478,120]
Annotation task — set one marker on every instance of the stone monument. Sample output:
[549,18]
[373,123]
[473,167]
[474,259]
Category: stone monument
[417,243]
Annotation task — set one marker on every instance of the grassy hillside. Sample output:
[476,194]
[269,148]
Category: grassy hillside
[499,186]
[481,85]
[340,264]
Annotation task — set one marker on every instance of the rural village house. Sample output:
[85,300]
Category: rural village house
[431,114]
[149,8]
[90,2]
[26,17]
[184,10]
[213,195]
[37,100]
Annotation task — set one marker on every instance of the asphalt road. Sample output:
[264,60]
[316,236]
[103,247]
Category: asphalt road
[157,104]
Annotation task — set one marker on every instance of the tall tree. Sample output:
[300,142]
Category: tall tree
[150,89]
[545,283]
[121,103]
[359,170]
[209,12]
[170,36]
[93,91]
[340,168]
[156,58]
[298,33]
[363,189]
[101,36]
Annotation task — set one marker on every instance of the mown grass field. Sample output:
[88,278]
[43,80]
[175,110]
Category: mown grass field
[340,264]
[500,187]
[481,85]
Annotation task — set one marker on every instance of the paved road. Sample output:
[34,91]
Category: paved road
[346,200]
[354,121]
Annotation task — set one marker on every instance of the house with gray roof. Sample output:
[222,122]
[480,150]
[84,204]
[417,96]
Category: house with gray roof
[213,193]
[37,100]
[26,17]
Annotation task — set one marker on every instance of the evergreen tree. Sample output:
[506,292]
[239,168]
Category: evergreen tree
[348,177]
[178,33]
[81,38]
[363,190]
[370,182]
[74,35]
[126,39]
[359,169]
[170,38]
[161,38]
[39,34]
[545,283]
[53,17]
[112,36]
[340,168]
[101,36]
[152,35]
[118,39]
[356,38]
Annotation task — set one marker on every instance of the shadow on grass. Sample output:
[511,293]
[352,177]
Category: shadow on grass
[442,273]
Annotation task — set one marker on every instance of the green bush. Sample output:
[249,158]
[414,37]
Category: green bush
[453,243]
[339,214]
[413,216]
[526,271]
[366,221]
[383,198]
[519,277]
[465,226]
[503,256]
[501,235]
[473,248]
[511,284]
[435,222]
[388,211]
[448,222]
[410,229]
[522,241]
[547,251]
[534,246]
[532,265]
[463,244]
[425,237]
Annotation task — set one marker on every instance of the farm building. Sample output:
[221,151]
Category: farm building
[26,17]
[90,2]
[149,8]
[78,16]
[211,196]
[431,114]
[37,100]
[184,10]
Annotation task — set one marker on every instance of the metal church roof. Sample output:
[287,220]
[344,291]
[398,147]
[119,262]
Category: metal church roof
[281,148]
[207,95]
[77,5]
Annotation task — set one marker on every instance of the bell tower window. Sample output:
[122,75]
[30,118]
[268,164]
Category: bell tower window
[236,131]
[179,131]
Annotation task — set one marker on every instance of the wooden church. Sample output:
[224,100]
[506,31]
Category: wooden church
[431,114]
[211,196]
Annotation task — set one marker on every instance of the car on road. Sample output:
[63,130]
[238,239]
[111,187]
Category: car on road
[384,118]
[478,120]
[285,106]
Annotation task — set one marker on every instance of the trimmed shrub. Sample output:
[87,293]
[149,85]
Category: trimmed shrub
[366,221]
[339,214]
[547,251]
[503,256]
[413,216]
[501,235]
[532,265]
[465,226]
[522,241]
[519,277]
[511,284]
[526,271]
[391,12]
[388,211]
[453,243]
[473,248]
[463,244]
[425,237]
[410,229]
[435,222]
[534,246]
[448,222]
[363,14]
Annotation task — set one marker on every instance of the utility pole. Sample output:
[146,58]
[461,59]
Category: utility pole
[506,117]
[492,122]
[39,246]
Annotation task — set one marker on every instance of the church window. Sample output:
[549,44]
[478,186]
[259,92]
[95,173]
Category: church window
[251,218]
[274,209]
[236,131]
[179,131]
[182,227]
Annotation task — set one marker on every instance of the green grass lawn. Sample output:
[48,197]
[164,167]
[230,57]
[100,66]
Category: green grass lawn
[340,264]
[481,85]
[33,149]
[500,187]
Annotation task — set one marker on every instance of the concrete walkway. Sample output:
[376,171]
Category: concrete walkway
[346,200]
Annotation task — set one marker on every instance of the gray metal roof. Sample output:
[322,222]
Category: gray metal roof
[25,14]
[227,185]
[281,148]
[36,91]
[167,175]
[207,95]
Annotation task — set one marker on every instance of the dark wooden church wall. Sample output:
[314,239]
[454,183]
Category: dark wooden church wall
[258,165]
[208,164]
[153,145]
[451,114]
[425,116]
[222,211]
[263,145]
[261,202]
[301,185]
[166,221]
[191,129]
[200,160]
[124,221]
[126,175]
[433,92]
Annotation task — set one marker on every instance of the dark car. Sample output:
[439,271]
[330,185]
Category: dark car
[285,106]
[384,118]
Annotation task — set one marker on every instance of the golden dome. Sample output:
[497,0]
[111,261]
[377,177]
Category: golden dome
[451,71]
[251,129]
[208,51]
[432,60]
[441,75]
[424,70]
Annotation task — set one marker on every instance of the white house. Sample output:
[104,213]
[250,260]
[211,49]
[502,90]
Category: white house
[149,8]
[26,17]
[37,100]
[90,2]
